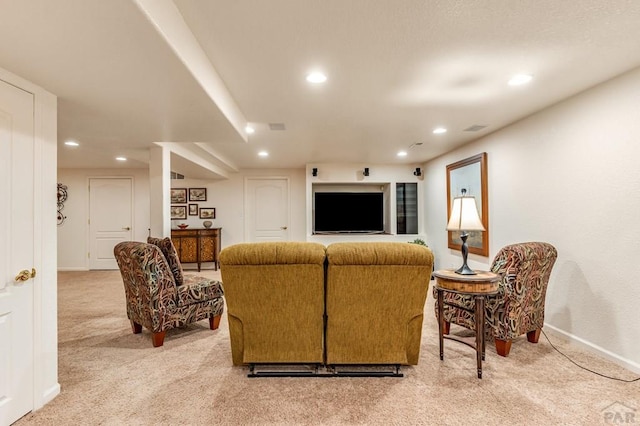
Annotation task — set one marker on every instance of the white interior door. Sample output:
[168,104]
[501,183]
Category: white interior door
[110,219]
[267,209]
[16,252]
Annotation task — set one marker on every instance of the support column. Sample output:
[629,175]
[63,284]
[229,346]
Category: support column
[160,191]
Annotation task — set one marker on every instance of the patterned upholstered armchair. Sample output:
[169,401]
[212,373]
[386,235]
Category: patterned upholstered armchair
[156,299]
[518,307]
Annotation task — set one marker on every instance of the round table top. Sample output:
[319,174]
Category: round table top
[483,282]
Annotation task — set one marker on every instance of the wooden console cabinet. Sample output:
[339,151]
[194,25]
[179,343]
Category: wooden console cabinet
[198,245]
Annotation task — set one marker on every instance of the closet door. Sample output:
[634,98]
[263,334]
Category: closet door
[110,219]
[266,209]
[17,270]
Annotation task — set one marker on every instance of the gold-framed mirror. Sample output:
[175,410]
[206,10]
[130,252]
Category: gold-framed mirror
[470,174]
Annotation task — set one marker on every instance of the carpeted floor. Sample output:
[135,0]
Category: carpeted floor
[110,376]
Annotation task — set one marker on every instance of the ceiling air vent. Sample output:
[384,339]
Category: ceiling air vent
[474,128]
[277,126]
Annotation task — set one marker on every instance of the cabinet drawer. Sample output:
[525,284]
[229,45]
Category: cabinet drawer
[184,233]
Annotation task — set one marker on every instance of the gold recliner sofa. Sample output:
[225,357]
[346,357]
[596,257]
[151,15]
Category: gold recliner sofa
[375,300]
[275,301]
[373,293]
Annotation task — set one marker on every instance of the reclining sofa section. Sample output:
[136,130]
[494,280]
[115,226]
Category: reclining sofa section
[348,304]
[375,300]
[275,301]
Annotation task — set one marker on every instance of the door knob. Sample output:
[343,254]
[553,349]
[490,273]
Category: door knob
[24,275]
[126,229]
[283,227]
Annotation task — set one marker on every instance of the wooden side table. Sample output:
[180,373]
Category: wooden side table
[479,286]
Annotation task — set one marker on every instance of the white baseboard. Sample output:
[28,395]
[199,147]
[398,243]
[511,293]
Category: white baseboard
[50,393]
[577,341]
[72,268]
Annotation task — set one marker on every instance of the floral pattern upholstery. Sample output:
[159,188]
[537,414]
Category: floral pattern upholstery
[518,307]
[171,255]
[153,299]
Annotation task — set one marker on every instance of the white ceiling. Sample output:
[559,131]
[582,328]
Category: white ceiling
[129,73]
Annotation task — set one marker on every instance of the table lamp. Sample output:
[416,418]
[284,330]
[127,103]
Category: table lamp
[464,217]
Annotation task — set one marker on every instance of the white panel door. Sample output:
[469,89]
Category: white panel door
[267,209]
[110,219]
[16,252]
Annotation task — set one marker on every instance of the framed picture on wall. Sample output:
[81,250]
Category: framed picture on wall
[193,210]
[178,195]
[470,174]
[207,213]
[197,194]
[178,212]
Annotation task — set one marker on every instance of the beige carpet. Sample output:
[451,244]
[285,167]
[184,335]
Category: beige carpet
[110,376]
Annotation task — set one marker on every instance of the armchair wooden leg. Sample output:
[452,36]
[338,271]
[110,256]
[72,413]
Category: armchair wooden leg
[158,338]
[503,347]
[214,322]
[447,327]
[533,335]
[135,327]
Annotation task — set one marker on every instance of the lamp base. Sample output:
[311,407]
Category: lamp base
[465,270]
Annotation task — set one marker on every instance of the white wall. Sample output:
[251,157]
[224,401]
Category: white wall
[73,233]
[227,197]
[567,175]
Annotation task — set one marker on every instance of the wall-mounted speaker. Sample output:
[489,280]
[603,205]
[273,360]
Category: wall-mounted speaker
[314,171]
[417,172]
[365,171]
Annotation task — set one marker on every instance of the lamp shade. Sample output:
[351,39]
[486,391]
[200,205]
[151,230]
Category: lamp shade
[464,215]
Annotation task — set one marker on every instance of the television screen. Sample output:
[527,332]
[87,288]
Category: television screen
[349,212]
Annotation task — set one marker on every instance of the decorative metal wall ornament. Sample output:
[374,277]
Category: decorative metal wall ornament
[62,197]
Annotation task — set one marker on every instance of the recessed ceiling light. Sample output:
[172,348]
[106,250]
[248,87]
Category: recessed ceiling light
[249,129]
[316,77]
[439,130]
[121,158]
[520,79]
[402,153]
[71,143]
[263,154]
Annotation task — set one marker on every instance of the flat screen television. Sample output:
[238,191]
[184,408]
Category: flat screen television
[348,212]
